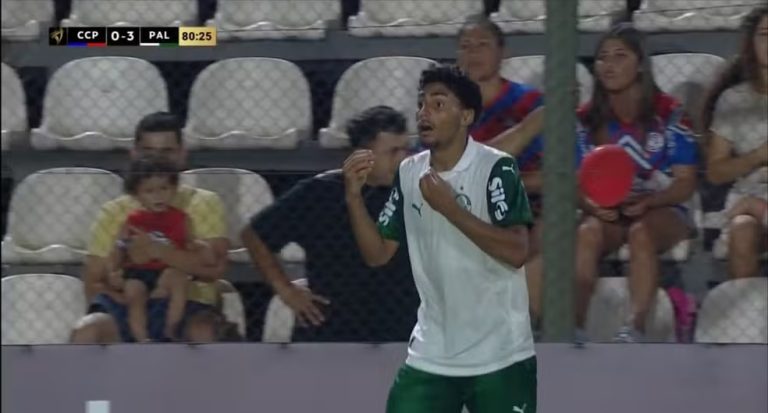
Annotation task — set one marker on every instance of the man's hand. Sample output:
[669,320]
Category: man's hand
[304,303]
[437,192]
[356,169]
[116,280]
[141,248]
[637,206]
[603,214]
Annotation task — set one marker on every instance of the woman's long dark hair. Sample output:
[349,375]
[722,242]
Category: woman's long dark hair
[600,112]
[742,68]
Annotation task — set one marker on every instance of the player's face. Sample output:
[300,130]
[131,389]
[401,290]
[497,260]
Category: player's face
[616,66]
[389,149]
[155,193]
[161,144]
[761,43]
[441,117]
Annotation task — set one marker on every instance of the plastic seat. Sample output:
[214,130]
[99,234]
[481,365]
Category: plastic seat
[14,108]
[392,18]
[40,308]
[692,15]
[132,13]
[735,311]
[280,319]
[249,103]
[529,70]
[25,20]
[597,15]
[96,103]
[515,16]
[51,213]
[243,193]
[688,77]
[274,19]
[391,81]
[609,309]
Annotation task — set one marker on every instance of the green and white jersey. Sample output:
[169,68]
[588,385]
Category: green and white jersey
[473,318]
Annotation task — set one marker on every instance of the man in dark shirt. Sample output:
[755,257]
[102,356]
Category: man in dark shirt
[346,300]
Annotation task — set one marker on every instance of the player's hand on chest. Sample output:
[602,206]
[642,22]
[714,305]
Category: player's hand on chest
[437,192]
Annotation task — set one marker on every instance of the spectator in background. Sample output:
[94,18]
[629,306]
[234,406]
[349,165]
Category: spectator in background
[158,134]
[512,120]
[628,109]
[735,113]
[346,300]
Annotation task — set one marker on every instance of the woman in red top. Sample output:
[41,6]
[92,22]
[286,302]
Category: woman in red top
[628,109]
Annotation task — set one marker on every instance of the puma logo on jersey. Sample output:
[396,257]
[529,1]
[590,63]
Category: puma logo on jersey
[519,409]
[508,168]
[417,207]
[498,198]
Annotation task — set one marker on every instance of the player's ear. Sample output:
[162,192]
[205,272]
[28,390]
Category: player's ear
[467,117]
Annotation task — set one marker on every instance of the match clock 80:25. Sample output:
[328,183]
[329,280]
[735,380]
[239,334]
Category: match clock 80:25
[197,36]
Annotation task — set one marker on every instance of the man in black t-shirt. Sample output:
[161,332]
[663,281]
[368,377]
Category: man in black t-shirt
[346,300]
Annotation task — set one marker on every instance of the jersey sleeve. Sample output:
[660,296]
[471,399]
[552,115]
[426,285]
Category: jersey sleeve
[206,214]
[507,201]
[682,147]
[104,231]
[391,220]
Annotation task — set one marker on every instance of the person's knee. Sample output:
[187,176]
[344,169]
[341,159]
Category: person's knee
[590,235]
[95,328]
[201,328]
[639,237]
[743,231]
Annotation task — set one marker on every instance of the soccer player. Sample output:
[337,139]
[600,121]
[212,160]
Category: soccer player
[461,208]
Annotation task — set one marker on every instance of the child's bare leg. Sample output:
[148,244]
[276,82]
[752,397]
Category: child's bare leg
[174,284]
[136,296]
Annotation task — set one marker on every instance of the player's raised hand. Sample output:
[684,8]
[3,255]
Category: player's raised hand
[437,192]
[356,169]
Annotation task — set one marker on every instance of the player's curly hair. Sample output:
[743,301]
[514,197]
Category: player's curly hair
[149,167]
[458,83]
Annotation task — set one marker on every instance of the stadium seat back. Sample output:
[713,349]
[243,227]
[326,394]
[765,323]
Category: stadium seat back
[425,11]
[40,308]
[529,70]
[96,103]
[25,19]
[234,311]
[132,12]
[609,309]
[249,103]
[391,81]
[735,312]
[58,206]
[280,12]
[14,109]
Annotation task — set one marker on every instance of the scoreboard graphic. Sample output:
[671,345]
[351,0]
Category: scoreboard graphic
[131,36]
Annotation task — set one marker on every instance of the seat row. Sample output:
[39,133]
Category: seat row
[308,19]
[253,103]
[43,309]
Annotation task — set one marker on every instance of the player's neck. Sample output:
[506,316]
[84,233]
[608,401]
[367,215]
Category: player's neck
[625,104]
[445,158]
[490,88]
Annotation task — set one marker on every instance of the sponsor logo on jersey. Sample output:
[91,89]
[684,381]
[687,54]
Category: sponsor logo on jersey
[389,208]
[464,201]
[655,142]
[498,198]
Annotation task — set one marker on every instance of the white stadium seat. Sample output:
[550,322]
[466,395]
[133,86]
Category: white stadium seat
[243,194]
[24,20]
[391,81]
[529,70]
[14,107]
[597,15]
[274,19]
[530,16]
[515,16]
[690,15]
[249,103]
[718,220]
[132,13]
[392,18]
[735,311]
[609,310]
[280,319]
[95,103]
[51,213]
[40,308]
[687,77]
[234,311]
